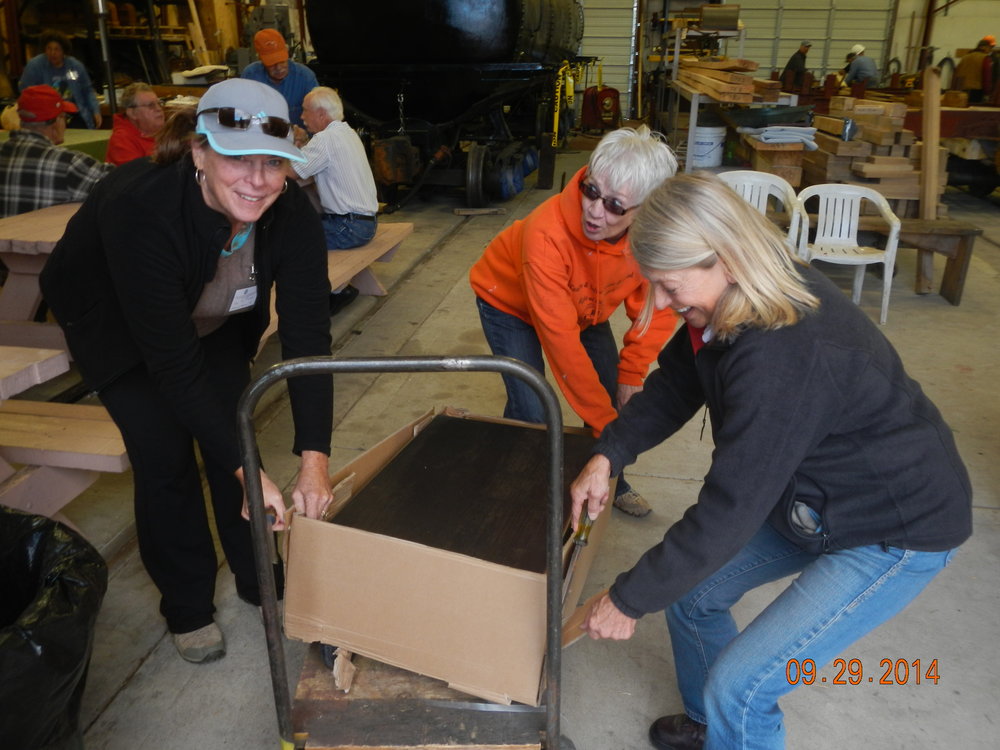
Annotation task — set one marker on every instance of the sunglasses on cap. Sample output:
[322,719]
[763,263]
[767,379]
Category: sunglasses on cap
[230,117]
[611,205]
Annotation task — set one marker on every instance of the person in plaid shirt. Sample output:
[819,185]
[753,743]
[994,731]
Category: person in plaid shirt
[34,171]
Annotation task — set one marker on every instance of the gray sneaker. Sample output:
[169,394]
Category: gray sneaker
[633,503]
[202,645]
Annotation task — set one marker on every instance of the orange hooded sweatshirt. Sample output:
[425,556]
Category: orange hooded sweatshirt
[544,270]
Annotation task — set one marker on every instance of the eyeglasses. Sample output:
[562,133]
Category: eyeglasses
[230,117]
[611,205]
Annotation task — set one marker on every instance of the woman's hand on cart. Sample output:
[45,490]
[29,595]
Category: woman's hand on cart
[312,491]
[274,502]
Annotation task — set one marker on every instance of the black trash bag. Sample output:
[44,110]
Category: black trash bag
[52,583]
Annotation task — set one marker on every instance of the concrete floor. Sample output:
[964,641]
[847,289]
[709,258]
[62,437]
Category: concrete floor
[141,696]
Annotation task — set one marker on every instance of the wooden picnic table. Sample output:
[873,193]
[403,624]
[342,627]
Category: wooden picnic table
[22,367]
[26,241]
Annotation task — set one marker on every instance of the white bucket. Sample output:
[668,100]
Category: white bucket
[707,149]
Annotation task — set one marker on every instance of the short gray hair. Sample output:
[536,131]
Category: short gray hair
[130,92]
[327,99]
[633,160]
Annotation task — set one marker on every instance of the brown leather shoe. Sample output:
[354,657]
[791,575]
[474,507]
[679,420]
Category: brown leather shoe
[677,732]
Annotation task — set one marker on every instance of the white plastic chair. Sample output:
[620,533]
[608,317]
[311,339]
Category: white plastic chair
[836,238]
[757,188]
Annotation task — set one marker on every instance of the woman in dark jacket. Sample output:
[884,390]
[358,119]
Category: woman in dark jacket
[830,463]
[162,284]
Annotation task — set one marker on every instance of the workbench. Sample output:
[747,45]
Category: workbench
[947,237]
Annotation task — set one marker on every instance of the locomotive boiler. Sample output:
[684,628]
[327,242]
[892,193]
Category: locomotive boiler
[459,93]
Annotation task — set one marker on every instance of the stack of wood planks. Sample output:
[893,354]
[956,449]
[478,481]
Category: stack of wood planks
[782,159]
[881,154]
[723,80]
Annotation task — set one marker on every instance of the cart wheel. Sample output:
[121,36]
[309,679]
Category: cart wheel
[475,168]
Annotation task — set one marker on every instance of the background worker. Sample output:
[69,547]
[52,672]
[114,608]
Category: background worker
[162,284]
[290,79]
[974,72]
[34,171]
[133,129]
[67,75]
[796,67]
[549,284]
[830,464]
[861,69]
[336,159]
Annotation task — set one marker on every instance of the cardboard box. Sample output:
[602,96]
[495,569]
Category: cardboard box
[474,623]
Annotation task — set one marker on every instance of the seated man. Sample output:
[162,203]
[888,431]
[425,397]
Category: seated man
[134,127]
[336,159]
[34,172]
[290,79]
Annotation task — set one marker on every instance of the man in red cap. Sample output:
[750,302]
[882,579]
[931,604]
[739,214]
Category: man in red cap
[34,172]
[291,79]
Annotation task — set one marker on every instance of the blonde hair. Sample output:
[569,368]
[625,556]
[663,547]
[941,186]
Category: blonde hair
[696,220]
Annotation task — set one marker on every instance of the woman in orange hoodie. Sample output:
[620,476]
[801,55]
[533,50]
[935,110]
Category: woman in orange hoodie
[549,283]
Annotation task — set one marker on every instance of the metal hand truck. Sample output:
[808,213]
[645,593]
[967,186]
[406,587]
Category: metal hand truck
[263,539]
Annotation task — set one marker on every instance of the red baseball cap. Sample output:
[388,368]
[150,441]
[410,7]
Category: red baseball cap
[42,103]
[270,46]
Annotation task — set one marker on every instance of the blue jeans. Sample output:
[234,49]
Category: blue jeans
[509,336]
[732,681]
[344,231]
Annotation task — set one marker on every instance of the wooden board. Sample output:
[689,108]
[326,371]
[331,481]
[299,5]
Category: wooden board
[72,436]
[838,147]
[389,708]
[442,491]
[831,125]
[869,169]
[712,85]
[730,64]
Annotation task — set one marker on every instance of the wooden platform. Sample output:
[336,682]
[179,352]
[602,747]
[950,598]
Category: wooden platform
[389,708]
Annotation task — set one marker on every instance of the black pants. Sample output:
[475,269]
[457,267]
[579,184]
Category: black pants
[175,541]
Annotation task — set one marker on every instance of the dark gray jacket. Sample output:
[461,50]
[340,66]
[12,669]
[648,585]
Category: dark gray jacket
[821,412]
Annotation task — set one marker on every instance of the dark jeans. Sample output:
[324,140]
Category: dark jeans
[175,541]
[509,336]
[344,231]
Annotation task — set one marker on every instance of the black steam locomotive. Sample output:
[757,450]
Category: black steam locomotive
[459,93]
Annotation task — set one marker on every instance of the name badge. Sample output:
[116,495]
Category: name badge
[243,299]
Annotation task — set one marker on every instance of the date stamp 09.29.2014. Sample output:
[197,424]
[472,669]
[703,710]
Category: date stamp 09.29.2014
[853,672]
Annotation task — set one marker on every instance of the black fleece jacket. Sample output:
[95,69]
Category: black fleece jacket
[820,412]
[125,277]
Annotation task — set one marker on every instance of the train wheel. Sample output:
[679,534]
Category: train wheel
[475,169]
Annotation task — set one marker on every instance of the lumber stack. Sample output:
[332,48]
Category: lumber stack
[766,90]
[881,153]
[723,80]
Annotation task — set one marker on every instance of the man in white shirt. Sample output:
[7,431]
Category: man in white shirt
[336,160]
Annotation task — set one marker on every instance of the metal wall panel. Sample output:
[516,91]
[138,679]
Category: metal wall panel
[609,33]
[776,27]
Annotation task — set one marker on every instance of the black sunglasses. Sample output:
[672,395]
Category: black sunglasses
[230,117]
[611,205]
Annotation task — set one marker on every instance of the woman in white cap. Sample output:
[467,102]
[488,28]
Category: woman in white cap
[861,69]
[162,284]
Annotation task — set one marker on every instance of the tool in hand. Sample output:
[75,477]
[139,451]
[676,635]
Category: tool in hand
[579,542]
